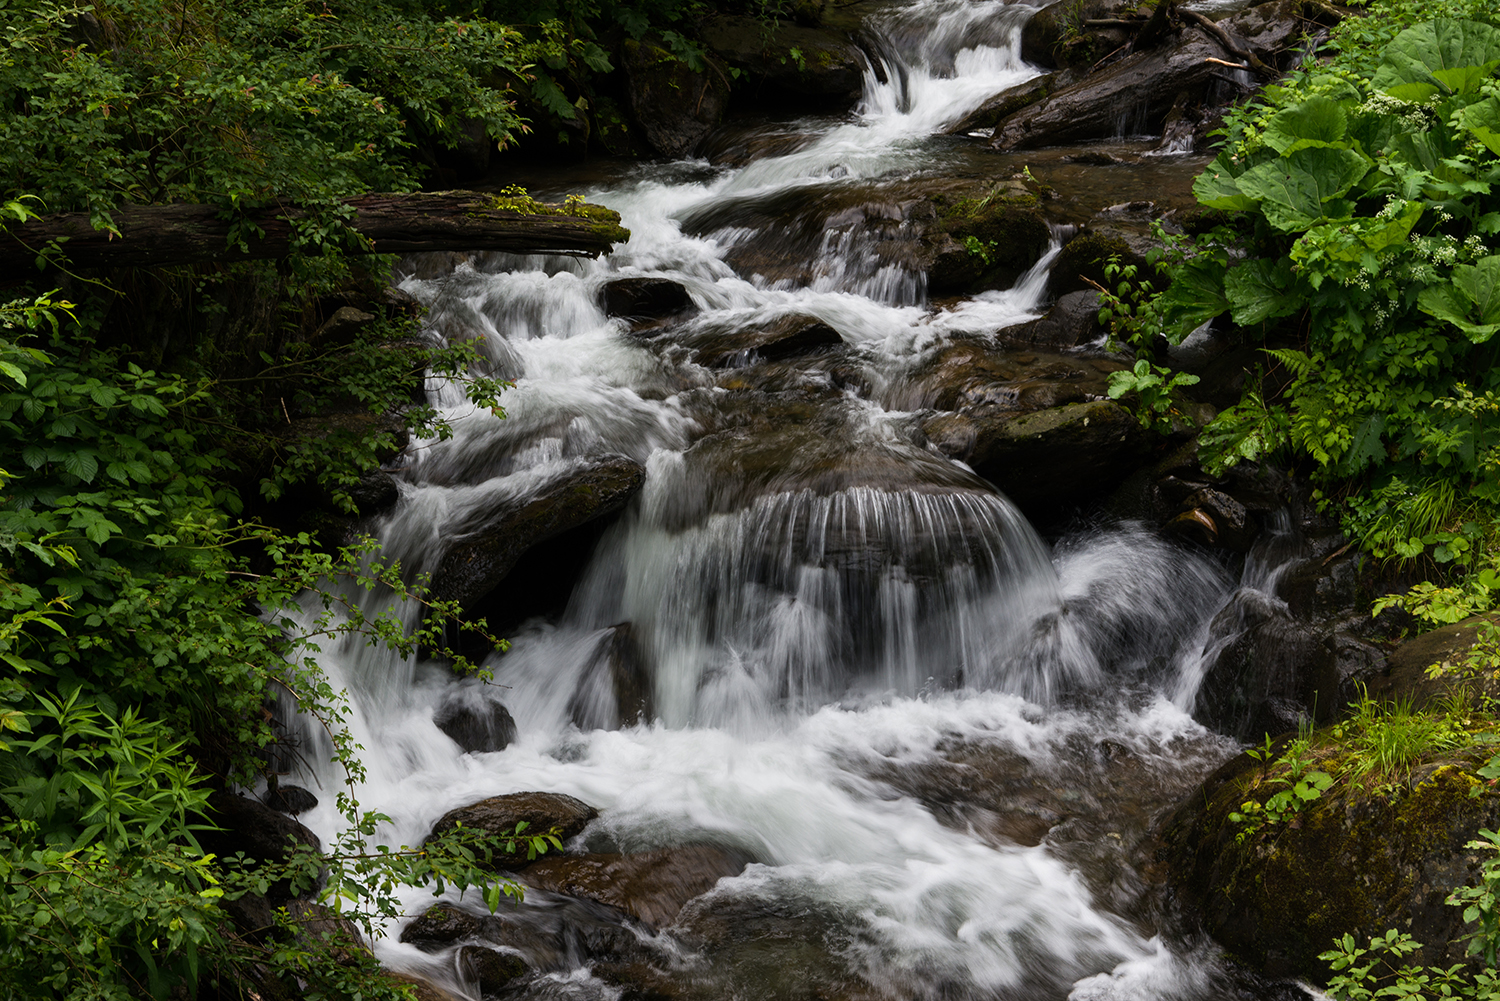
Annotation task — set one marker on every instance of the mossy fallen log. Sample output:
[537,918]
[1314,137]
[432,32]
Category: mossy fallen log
[157,235]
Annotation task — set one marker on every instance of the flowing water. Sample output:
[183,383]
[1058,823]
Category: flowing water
[939,739]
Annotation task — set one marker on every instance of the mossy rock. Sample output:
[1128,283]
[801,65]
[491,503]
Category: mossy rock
[1082,261]
[1359,860]
[991,242]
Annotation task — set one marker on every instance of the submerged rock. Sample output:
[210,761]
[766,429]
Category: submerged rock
[645,299]
[475,563]
[475,721]
[651,887]
[1364,857]
[489,969]
[540,811]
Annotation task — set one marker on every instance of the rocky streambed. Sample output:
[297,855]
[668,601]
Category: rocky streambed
[862,647]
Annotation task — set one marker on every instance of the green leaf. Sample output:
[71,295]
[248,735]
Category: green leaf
[82,465]
[1470,302]
[1482,120]
[1317,119]
[14,372]
[1293,189]
[1195,296]
[1261,290]
[1464,52]
[1365,447]
[1216,188]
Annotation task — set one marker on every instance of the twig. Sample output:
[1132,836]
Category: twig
[1225,62]
[1223,39]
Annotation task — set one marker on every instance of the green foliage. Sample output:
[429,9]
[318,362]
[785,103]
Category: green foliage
[1155,389]
[1292,768]
[239,105]
[1363,253]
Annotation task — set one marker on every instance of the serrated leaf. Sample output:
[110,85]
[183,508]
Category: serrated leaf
[1365,447]
[1482,120]
[1260,290]
[1195,296]
[1471,301]
[1293,189]
[1316,120]
[14,372]
[82,465]
[33,456]
[1464,52]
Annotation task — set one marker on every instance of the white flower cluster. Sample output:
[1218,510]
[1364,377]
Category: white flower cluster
[1417,117]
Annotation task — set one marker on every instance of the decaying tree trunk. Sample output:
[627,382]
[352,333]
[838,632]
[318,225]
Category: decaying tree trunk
[155,235]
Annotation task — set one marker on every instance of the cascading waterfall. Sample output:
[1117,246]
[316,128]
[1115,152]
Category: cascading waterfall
[830,615]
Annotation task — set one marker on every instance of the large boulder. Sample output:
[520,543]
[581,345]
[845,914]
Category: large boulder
[1059,35]
[986,241]
[1365,857]
[475,720]
[1010,100]
[651,887]
[479,560]
[1049,461]
[788,63]
[674,105]
[499,815]
[261,834]
[1139,91]
[1071,321]
[644,301]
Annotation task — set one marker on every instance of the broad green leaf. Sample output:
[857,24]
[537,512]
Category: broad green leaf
[1195,296]
[1414,93]
[82,465]
[1293,189]
[1365,447]
[1215,188]
[1317,119]
[15,373]
[1261,290]
[1421,52]
[1471,302]
[1482,120]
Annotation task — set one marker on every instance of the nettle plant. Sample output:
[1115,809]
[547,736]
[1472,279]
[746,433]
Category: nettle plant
[1363,245]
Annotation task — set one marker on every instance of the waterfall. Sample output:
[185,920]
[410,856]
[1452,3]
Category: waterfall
[832,619]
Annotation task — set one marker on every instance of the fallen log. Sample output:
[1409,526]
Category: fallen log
[156,235]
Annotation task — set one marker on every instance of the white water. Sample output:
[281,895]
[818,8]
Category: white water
[813,648]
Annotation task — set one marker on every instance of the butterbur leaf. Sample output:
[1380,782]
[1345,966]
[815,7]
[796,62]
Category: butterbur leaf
[1215,188]
[1482,120]
[1260,290]
[1293,189]
[1471,302]
[1464,52]
[1317,120]
[1195,296]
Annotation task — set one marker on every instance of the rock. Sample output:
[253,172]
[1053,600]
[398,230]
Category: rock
[441,926]
[259,832]
[1257,683]
[422,990]
[1051,460]
[1008,102]
[1082,261]
[289,799]
[985,242]
[374,492]
[1214,519]
[1363,858]
[540,811]
[675,106]
[1405,672]
[793,336]
[650,886]
[1073,320]
[615,689]
[475,720]
[645,299]
[326,932]
[826,70]
[489,969]
[1132,95]
[341,327]
[970,375]
[480,558]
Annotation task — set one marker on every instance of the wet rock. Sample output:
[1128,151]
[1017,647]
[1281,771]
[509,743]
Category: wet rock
[826,69]
[475,720]
[1072,320]
[645,299]
[1049,461]
[1404,674]
[1080,265]
[421,990]
[967,374]
[1008,102]
[649,886]
[481,557]
[615,689]
[985,241]
[262,834]
[1132,95]
[441,926]
[326,932]
[1363,858]
[1257,682]
[793,336]
[540,811]
[289,799]
[674,105]
[489,969]
[1214,519]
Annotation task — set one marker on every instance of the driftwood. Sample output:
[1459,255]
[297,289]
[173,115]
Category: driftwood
[154,235]
[1252,61]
